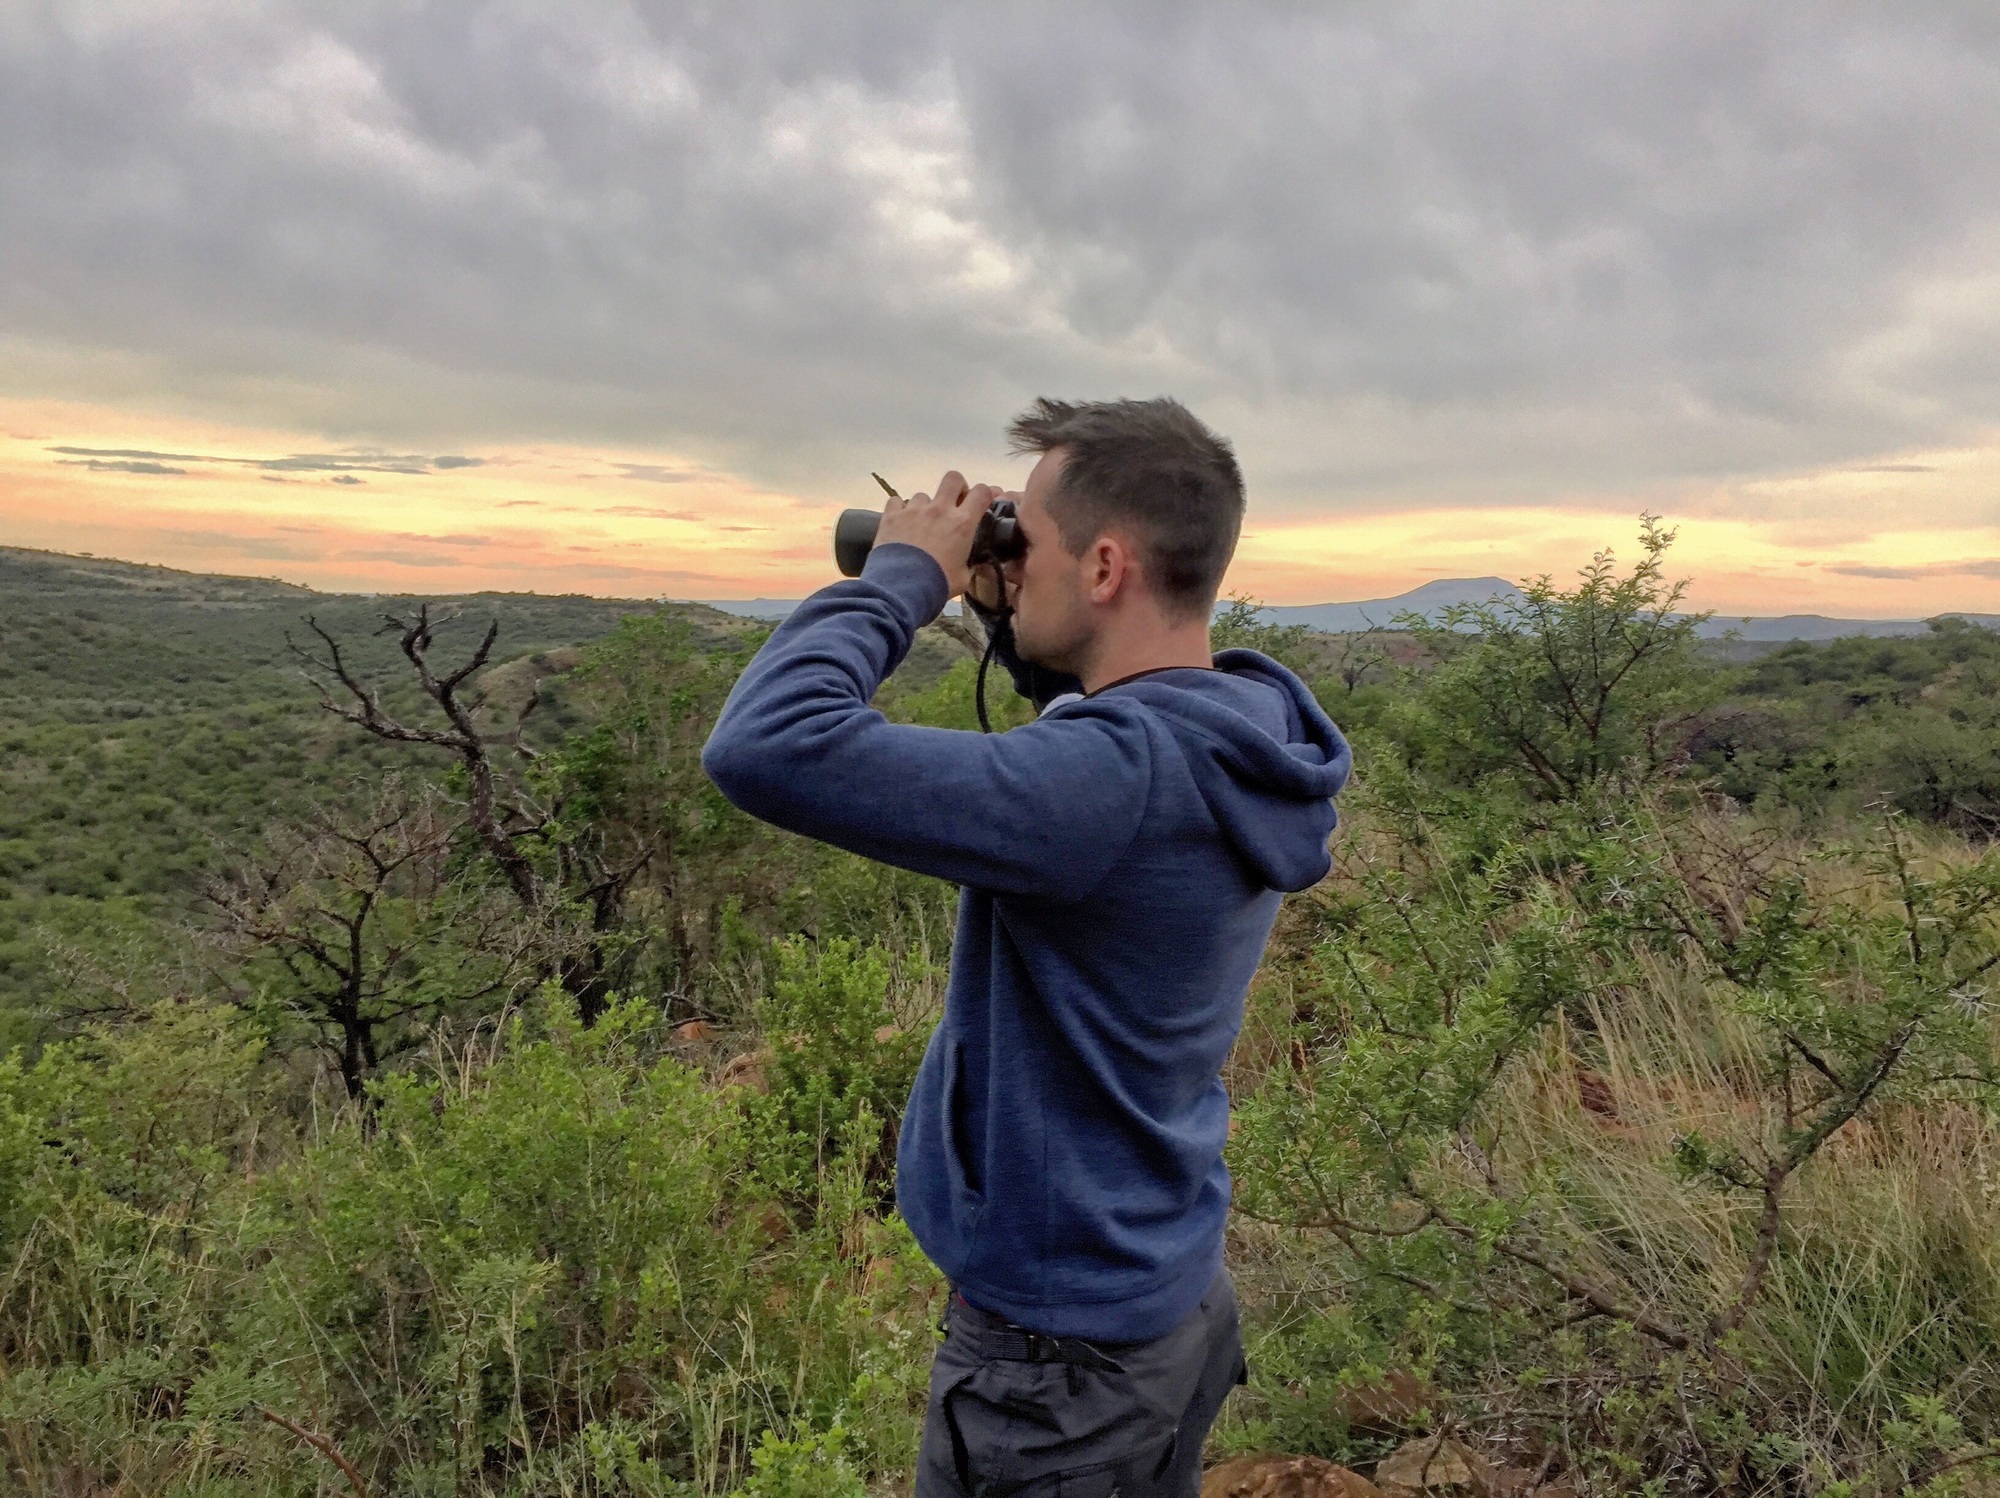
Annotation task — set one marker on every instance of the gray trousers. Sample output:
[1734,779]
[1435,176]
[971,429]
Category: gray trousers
[1017,1415]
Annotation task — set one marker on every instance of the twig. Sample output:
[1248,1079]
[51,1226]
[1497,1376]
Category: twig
[959,632]
[1590,1294]
[1938,1469]
[322,1445]
[1814,1061]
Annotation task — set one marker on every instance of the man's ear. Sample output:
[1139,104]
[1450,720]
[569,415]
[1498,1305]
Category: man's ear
[1108,568]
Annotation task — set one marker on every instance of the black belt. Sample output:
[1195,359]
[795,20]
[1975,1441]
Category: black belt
[1000,1339]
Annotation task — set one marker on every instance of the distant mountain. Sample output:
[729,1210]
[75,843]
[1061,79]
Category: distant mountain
[1380,613]
[1434,597]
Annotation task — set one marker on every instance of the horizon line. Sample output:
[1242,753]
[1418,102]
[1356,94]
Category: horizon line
[711,601]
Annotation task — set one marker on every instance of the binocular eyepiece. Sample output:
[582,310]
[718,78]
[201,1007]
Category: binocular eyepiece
[998,538]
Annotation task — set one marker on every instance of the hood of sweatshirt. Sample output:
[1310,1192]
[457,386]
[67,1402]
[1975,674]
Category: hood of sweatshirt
[1266,757]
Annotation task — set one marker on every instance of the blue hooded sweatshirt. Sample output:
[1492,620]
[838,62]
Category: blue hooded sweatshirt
[1121,860]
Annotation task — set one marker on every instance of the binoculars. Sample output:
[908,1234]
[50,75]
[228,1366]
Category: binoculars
[998,538]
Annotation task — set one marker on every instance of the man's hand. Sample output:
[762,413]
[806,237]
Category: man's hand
[943,525]
[990,587]
[986,590]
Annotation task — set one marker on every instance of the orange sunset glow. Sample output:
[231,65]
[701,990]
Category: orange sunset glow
[1907,538]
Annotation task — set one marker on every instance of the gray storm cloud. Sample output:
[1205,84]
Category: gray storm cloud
[1399,252]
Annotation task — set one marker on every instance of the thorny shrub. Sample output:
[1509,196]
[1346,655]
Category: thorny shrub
[1482,979]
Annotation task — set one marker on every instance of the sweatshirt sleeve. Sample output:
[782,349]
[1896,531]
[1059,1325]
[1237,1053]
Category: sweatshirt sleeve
[1043,810]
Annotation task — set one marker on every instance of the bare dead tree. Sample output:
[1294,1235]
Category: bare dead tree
[1357,654]
[551,867]
[497,828]
[358,911]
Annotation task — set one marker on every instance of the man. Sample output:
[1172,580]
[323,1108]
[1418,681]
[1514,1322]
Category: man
[1121,858]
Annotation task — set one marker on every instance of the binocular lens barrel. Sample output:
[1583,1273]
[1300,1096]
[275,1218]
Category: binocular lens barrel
[997,540]
[853,539]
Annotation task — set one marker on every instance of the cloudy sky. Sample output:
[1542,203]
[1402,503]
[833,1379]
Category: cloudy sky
[630,298]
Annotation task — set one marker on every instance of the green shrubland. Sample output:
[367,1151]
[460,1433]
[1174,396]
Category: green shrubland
[544,1260]
[497,1111]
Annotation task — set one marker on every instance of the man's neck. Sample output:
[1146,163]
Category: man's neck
[1157,649]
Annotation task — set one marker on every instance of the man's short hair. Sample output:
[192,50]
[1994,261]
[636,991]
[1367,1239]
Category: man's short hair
[1152,465]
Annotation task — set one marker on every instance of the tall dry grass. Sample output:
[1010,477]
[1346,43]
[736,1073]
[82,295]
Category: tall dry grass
[1886,1284]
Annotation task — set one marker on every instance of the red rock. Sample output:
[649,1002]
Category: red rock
[775,1224]
[746,1070]
[1438,1464]
[1391,1405]
[1285,1477]
[1594,1093]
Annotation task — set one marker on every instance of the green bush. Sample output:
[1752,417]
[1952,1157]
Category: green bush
[810,1467]
[119,1153]
[1566,1121]
[543,1265]
[1561,692]
[839,1067]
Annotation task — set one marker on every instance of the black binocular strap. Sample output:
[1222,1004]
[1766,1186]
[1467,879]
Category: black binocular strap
[992,643]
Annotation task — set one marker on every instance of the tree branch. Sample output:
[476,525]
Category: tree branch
[322,1445]
[1814,1061]
[1765,1249]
